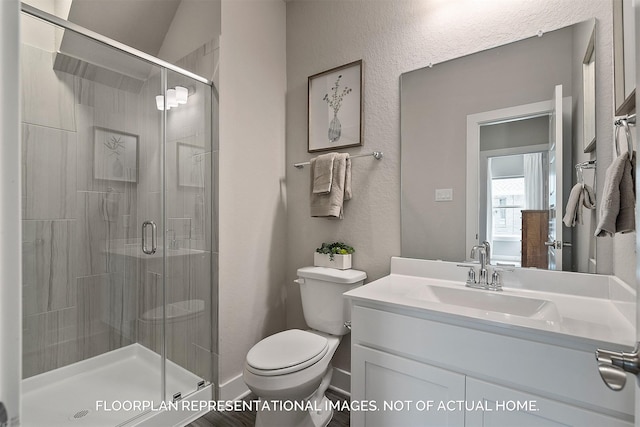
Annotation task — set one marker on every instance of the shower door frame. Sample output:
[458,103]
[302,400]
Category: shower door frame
[52,19]
[10,216]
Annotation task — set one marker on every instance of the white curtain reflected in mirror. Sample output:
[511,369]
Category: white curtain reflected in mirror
[534,181]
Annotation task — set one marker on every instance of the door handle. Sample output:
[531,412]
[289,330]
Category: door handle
[557,244]
[154,233]
[613,367]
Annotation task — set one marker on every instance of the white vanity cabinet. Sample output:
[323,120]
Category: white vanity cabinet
[412,362]
[401,382]
[549,412]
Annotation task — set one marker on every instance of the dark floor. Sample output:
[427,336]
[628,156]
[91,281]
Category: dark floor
[248,419]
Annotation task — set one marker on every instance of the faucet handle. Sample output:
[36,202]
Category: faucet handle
[496,281]
[471,274]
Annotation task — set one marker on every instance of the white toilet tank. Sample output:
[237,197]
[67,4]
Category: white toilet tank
[321,289]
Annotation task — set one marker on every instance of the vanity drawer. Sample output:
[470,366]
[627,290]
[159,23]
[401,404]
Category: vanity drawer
[552,371]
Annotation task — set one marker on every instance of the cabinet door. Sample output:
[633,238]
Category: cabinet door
[402,389]
[497,406]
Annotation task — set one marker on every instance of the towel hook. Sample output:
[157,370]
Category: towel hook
[623,123]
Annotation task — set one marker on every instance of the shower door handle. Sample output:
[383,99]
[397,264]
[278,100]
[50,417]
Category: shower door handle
[154,233]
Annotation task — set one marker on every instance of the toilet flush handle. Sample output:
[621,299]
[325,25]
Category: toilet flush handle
[299,281]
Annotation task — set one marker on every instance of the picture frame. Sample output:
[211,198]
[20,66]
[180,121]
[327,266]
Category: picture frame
[115,155]
[190,159]
[335,108]
[624,57]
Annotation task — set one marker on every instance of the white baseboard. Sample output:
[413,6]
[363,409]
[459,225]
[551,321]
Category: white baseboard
[341,381]
[236,389]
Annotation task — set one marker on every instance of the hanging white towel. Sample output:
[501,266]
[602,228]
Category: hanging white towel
[626,220]
[572,213]
[581,196]
[589,201]
[322,177]
[331,205]
[618,199]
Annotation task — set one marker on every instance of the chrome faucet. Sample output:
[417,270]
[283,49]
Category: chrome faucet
[487,251]
[496,278]
[481,252]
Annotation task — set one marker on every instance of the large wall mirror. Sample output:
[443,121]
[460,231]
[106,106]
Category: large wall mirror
[490,143]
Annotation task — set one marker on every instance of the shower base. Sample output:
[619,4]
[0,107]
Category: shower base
[69,396]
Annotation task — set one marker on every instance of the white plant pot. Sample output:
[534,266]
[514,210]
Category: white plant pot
[341,262]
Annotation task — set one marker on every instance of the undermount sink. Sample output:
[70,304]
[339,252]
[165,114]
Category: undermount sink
[492,301]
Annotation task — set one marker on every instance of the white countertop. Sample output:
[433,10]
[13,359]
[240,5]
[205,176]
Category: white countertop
[585,309]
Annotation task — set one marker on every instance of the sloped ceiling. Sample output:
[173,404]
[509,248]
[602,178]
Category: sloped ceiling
[141,24]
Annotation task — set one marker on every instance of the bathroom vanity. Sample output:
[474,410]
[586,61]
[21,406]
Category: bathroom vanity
[428,351]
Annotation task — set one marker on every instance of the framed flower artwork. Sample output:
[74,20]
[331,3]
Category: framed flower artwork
[115,155]
[335,108]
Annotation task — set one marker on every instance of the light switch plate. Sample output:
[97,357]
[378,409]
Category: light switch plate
[444,194]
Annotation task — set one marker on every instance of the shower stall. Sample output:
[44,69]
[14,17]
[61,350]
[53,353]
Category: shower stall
[119,247]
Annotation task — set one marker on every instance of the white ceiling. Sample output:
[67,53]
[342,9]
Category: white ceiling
[141,24]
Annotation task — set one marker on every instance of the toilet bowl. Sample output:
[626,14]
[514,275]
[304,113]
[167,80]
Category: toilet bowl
[292,369]
[291,382]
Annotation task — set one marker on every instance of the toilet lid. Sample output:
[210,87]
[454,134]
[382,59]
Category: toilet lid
[286,352]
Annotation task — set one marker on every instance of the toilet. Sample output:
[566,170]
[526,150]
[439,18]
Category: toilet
[293,367]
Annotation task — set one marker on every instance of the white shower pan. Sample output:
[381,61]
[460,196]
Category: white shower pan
[76,395]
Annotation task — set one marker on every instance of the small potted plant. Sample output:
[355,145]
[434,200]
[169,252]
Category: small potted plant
[333,255]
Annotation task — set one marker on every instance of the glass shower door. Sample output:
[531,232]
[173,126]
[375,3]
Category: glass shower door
[189,239]
[92,173]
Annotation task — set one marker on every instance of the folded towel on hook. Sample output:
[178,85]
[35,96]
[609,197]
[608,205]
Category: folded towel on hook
[589,201]
[581,195]
[322,177]
[618,199]
[331,204]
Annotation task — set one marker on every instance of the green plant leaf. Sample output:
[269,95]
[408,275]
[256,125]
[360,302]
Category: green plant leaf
[336,248]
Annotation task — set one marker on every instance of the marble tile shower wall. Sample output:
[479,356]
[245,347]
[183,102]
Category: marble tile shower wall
[86,287]
[76,302]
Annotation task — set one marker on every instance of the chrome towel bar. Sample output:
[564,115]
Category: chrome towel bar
[376,155]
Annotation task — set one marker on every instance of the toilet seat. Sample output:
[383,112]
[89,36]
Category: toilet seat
[286,352]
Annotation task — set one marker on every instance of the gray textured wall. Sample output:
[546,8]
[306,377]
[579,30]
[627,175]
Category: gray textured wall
[393,37]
